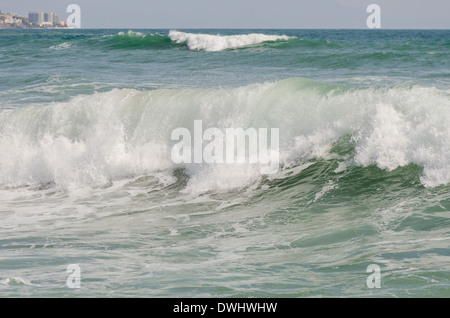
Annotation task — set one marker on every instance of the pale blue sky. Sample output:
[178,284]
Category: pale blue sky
[395,14]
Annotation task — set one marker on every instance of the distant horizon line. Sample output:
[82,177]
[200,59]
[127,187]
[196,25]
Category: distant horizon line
[228,28]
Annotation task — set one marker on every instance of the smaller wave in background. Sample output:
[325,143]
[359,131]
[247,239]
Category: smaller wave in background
[149,40]
[193,41]
[213,43]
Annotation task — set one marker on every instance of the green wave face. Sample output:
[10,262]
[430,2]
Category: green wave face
[137,40]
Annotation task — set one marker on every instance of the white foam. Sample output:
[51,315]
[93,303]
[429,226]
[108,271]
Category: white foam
[211,43]
[221,177]
[61,46]
[132,33]
[386,142]
[15,281]
[326,188]
[409,126]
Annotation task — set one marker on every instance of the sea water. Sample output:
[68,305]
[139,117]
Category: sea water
[87,178]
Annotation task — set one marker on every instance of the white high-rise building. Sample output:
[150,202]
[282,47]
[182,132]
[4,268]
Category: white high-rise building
[43,17]
[48,17]
[34,18]
[56,20]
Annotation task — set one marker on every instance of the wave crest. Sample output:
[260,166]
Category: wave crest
[214,43]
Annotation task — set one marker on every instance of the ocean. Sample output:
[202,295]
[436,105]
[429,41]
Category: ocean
[92,203]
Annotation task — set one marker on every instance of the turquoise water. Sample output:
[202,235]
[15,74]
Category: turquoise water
[87,178]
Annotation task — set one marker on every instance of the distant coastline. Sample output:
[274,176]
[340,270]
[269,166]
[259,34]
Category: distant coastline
[35,20]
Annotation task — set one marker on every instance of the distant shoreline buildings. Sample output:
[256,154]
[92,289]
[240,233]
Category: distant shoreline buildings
[35,20]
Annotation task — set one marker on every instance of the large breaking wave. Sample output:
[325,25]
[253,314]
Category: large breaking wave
[94,139]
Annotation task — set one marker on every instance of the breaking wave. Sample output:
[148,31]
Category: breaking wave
[193,41]
[94,139]
[208,42]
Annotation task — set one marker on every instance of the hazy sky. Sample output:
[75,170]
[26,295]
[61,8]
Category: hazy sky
[418,14]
